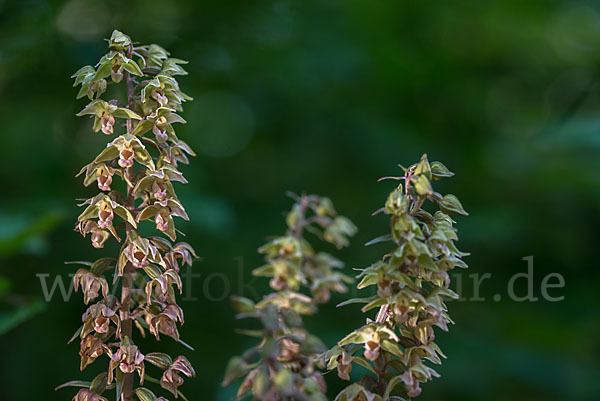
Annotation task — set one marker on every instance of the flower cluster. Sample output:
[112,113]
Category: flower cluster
[282,365]
[411,281]
[145,157]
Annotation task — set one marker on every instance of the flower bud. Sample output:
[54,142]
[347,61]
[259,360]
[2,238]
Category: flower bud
[86,395]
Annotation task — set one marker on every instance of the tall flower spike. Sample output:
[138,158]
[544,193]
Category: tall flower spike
[411,281]
[283,365]
[146,271]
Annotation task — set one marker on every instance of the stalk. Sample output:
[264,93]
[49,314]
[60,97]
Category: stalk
[152,263]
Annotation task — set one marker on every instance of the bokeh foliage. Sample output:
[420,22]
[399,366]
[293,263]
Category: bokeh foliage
[325,97]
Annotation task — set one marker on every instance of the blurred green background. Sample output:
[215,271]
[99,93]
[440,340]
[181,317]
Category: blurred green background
[324,97]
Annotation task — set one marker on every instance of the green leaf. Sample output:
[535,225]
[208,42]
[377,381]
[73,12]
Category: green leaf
[243,305]
[368,280]
[93,108]
[103,70]
[391,385]
[143,157]
[264,271]
[236,368]
[74,383]
[142,127]
[74,336]
[159,359]
[438,170]
[426,262]
[383,238]
[423,167]
[123,112]
[152,271]
[312,345]
[90,212]
[356,337]
[144,394]
[123,213]
[119,41]
[422,185]
[133,68]
[373,304]
[391,347]
[284,380]
[363,362]
[110,153]
[99,383]
[451,204]
[356,301]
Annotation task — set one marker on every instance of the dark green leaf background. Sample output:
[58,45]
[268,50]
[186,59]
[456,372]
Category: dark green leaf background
[325,97]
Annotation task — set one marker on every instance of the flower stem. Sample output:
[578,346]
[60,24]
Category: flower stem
[126,323]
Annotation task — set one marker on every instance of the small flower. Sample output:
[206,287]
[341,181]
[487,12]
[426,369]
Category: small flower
[159,97]
[99,236]
[175,154]
[86,395]
[171,378]
[162,285]
[136,256]
[105,214]
[107,122]
[126,155]
[90,284]
[401,308]
[344,366]
[384,288]
[159,190]
[90,349]
[116,71]
[100,316]
[104,178]
[279,282]
[166,322]
[185,252]
[160,130]
[411,383]
[372,347]
[162,219]
[128,358]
